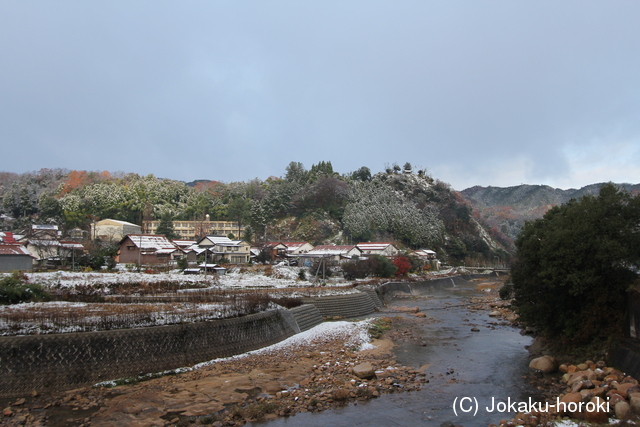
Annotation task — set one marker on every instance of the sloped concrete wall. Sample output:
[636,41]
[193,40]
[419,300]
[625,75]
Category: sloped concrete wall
[64,361]
[307,316]
[349,305]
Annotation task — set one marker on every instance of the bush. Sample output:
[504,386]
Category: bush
[374,265]
[506,291]
[15,289]
[182,263]
[403,265]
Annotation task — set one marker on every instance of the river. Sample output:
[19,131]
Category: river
[480,370]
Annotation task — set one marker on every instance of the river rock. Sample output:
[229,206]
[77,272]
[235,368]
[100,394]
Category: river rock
[634,402]
[579,376]
[364,371]
[544,364]
[622,410]
[495,313]
[595,414]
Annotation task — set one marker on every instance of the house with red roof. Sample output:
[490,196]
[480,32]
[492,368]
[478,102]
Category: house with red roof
[15,257]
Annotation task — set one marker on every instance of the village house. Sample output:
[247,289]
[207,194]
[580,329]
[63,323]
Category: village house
[113,230]
[235,251]
[335,254]
[385,249]
[289,251]
[429,259]
[275,249]
[45,231]
[189,248]
[54,252]
[147,249]
[425,254]
[15,257]
[297,248]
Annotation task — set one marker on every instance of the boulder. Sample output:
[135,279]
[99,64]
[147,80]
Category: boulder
[364,371]
[594,414]
[622,410]
[544,364]
[580,376]
[634,402]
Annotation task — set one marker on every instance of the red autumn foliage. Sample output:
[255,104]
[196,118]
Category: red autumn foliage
[403,264]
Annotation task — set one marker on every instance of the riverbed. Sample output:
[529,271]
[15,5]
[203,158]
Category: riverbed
[473,362]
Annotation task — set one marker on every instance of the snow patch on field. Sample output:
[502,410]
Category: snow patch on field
[354,335]
[282,276]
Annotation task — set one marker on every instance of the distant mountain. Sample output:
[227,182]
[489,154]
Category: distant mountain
[505,209]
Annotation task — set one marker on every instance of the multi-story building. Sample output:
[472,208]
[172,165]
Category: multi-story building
[193,230]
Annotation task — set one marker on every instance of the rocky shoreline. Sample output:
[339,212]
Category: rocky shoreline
[589,391]
[570,394]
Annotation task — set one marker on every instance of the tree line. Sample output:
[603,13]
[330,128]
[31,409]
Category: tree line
[318,205]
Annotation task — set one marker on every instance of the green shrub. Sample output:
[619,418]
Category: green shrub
[506,291]
[15,289]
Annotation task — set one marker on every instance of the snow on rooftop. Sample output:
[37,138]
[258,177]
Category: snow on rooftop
[184,243]
[44,227]
[331,250]
[373,246]
[294,244]
[152,242]
[124,222]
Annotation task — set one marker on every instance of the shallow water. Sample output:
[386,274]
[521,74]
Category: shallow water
[486,366]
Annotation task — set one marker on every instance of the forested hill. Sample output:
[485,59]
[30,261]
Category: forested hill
[318,205]
[507,208]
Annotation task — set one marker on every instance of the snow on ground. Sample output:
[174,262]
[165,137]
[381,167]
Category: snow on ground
[282,276]
[354,334]
[65,317]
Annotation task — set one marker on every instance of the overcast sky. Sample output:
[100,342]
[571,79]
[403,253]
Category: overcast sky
[476,92]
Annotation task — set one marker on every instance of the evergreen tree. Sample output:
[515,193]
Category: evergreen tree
[165,228]
[574,267]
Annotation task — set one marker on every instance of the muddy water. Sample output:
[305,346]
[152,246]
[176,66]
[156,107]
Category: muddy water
[486,367]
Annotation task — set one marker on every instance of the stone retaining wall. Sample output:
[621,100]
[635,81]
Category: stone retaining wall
[391,289]
[64,361]
[307,316]
[373,294]
[349,305]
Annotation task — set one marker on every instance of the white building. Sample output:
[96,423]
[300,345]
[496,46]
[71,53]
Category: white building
[113,230]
